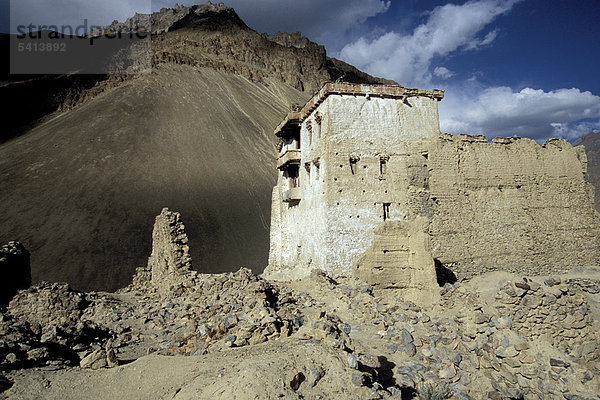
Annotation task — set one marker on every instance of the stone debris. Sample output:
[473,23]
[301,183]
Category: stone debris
[94,360]
[529,338]
[465,347]
[43,327]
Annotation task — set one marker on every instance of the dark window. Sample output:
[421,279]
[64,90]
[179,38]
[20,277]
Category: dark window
[293,173]
[383,164]
[353,161]
[386,211]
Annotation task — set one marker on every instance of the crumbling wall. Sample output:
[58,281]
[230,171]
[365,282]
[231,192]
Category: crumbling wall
[15,270]
[511,205]
[169,265]
[400,258]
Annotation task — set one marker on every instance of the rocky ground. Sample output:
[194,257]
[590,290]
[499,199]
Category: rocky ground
[238,336]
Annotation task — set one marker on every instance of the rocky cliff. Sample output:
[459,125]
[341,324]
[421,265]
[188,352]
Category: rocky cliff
[207,35]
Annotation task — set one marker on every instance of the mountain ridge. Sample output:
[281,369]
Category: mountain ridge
[206,35]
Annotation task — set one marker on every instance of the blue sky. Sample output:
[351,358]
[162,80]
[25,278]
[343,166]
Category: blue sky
[509,67]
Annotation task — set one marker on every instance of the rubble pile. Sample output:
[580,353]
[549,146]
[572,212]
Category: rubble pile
[43,327]
[502,337]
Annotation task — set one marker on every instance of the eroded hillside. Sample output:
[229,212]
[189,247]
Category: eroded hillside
[84,187]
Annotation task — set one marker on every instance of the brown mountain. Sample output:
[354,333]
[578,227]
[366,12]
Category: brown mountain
[99,156]
[591,141]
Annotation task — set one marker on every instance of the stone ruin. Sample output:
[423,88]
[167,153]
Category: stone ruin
[517,338]
[358,164]
[169,268]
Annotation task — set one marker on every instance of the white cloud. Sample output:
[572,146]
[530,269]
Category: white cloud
[534,113]
[408,58]
[476,43]
[443,73]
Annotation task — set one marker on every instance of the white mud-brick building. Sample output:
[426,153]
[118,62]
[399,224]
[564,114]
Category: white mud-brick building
[364,170]
[349,160]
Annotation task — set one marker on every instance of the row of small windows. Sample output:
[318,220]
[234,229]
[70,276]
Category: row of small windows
[292,174]
[317,168]
[316,131]
[383,161]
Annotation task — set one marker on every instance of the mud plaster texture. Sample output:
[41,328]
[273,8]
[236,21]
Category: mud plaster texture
[511,205]
[400,258]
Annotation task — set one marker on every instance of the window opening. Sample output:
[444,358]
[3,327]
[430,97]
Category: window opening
[307,168]
[386,210]
[383,164]
[318,120]
[292,174]
[353,161]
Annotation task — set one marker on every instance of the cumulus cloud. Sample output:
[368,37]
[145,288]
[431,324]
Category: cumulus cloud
[408,58]
[534,113]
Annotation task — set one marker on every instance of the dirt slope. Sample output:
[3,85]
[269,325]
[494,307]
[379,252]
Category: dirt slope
[81,190]
[591,141]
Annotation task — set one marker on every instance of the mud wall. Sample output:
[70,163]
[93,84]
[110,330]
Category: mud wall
[511,205]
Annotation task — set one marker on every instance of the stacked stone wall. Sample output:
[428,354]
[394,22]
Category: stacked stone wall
[170,265]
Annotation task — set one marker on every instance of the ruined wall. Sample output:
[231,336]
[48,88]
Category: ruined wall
[511,205]
[170,265]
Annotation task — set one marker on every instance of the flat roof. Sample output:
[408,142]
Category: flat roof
[353,89]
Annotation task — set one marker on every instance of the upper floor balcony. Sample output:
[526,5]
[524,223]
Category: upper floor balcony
[292,195]
[289,156]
